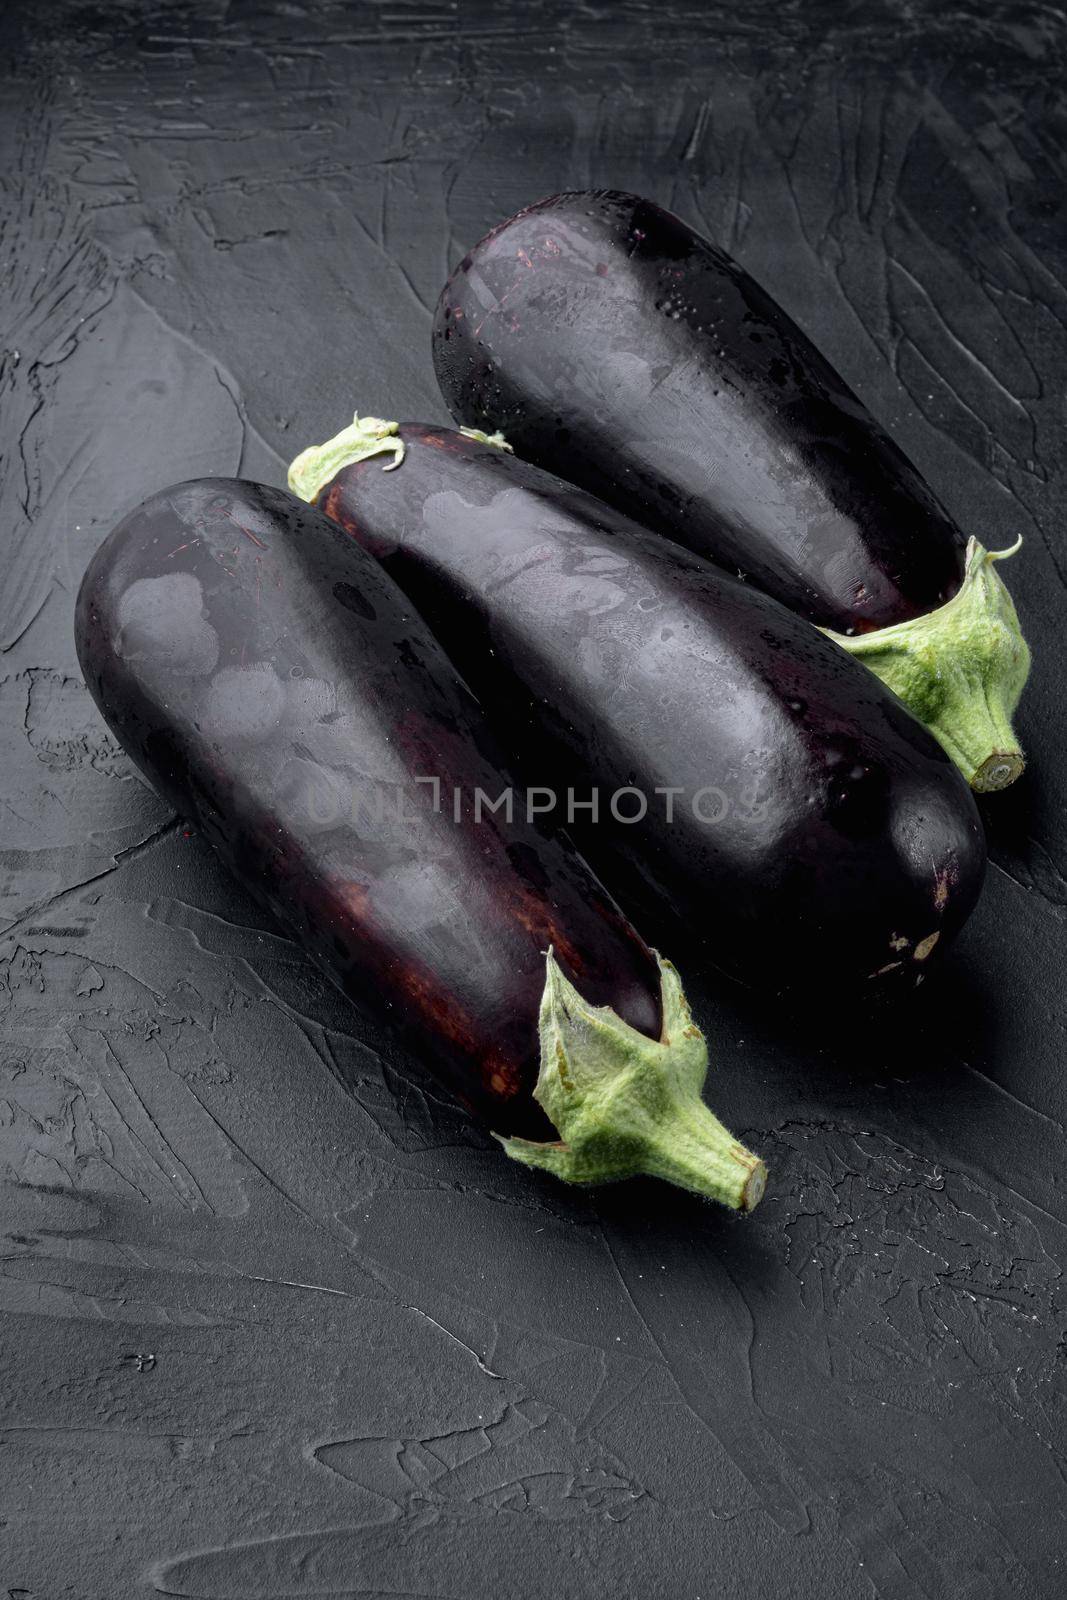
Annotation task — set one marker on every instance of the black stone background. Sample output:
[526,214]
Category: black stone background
[265,1335]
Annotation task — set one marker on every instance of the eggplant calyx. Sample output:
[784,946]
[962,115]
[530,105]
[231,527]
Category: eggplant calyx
[960,669]
[319,464]
[626,1104]
[480,437]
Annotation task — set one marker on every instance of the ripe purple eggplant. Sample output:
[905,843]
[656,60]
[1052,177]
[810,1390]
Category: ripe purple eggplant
[776,796]
[615,346]
[277,688]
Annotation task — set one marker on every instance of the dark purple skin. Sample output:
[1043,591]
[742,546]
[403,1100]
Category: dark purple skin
[260,668]
[615,346]
[609,656]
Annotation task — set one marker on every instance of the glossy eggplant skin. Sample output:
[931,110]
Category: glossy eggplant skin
[834,839]
[615,346]
[277,688]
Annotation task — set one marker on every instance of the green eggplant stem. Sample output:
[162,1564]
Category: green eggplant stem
[624,1103]
[317,466]
[960,669]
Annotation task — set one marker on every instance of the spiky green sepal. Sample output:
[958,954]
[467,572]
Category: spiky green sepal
[319,464]
[960,669]
[626,1104]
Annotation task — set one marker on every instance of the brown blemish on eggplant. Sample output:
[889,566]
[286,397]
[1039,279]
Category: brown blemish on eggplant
[332,503]
[355,899]
[924,946]
[435,1004]
[502,1077]
[538,918]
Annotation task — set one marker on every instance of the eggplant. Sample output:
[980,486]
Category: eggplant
[615,346]
[275,686]
[750,778]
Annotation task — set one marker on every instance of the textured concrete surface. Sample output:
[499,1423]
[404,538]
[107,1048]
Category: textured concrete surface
[277,1321]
